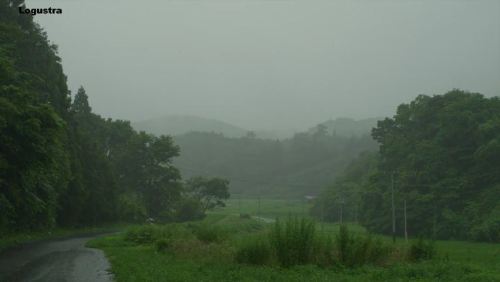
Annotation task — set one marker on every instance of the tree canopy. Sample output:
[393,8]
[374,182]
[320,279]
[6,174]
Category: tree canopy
[443,155]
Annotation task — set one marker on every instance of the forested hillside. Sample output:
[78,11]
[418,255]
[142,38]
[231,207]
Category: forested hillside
[297,166]
[442,155]
[61,164]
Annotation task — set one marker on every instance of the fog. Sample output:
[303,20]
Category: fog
[272,64]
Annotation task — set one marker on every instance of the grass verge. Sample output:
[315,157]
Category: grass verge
[237,257]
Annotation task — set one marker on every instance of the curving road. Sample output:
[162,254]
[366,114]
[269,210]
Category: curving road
[58,260]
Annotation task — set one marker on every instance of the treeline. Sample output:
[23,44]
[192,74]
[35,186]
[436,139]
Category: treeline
[293,167]
[441,156]
[61,164]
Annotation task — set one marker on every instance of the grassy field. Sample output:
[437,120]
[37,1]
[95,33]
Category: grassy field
[270,208]
[194,259]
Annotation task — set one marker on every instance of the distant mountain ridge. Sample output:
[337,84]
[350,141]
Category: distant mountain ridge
[176,125]
[182,124]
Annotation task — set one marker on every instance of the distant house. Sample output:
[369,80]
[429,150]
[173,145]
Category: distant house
[310,197]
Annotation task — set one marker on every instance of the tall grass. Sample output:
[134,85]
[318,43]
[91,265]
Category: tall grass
[421,250]
[355,250]
[254,250]
[149,234]
[209,233]
[293,241]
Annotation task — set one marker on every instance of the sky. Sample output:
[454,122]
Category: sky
[272,64]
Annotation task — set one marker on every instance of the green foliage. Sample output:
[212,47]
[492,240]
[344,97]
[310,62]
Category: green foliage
[441,153]
[161,245]
[143,234]
[61,164]
[356,250]
[293,241]
[210,193]
[209,233]
[245,215]
[421,250]
[255,250]
[81,102]
[131,208]
[149,234]
[189,209]
[296,166]
[189,259]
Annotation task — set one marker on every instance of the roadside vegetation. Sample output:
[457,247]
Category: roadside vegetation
[19,238]
[228,247]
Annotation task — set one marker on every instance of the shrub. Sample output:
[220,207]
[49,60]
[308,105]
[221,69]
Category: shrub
[324,251]
[161,245]
[131,208]
[149,234]
[344,244]
[293,241]
[359,250]
[142,234]
[245,216]
[421,250]
[254,251]
[189,209]
[209,234]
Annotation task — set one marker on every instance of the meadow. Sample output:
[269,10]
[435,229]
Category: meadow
[231,244]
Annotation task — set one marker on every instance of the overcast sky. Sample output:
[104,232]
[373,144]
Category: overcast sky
[266,64]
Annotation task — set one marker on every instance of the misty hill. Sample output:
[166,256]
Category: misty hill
[181,124]
[301,165]
[348,127]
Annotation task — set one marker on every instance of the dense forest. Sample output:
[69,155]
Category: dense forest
[61,164]
[441,157]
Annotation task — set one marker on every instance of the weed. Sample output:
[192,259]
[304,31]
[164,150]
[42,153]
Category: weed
[254,251]
[421,250]
[293,241]
[161,245]
[209,233]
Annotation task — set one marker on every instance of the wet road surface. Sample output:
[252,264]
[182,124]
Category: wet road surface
[54,261]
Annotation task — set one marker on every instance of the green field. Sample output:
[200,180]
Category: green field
[271,208]
[215,261]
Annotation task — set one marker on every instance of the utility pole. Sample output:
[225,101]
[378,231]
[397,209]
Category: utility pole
[304,200]
[406,230]
[322,214]
[239,204]
[258,205]
[356,213]
[393,209]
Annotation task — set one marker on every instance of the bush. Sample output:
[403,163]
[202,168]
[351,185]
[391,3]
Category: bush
[149,234]
[142,234]
[245,216]
[161,245]
[254,251]
[131,208]
[421,250]
[489,228]
[189,209]
[324,251]
[293,241]
[209,234]
[359,250]
[344,245]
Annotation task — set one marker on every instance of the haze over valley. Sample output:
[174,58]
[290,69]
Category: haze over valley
[250,140]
